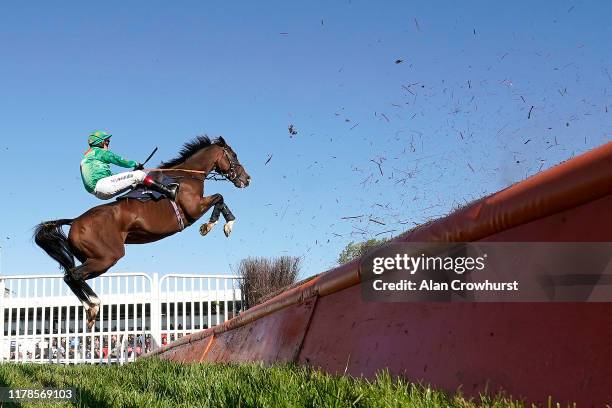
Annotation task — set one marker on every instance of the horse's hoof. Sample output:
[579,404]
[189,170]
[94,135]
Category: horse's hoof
[92,313]
[206,228]
[227,228]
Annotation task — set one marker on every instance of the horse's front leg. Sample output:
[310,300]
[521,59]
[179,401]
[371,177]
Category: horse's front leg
[229,219]
[219,208]
[194,208]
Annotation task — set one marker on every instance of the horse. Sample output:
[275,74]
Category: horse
[97,238]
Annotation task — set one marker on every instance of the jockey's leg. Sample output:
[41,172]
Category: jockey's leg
[111,186]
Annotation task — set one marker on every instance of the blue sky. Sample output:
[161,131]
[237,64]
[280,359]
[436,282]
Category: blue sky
[448,124]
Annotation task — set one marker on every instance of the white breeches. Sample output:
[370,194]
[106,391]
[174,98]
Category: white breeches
[110,186]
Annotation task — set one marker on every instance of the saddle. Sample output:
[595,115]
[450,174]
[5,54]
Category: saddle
[143,193]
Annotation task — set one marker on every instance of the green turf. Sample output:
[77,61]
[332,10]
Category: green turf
[154,383]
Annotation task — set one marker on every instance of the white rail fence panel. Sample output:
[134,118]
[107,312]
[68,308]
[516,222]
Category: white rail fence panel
[190,303]
[41,321]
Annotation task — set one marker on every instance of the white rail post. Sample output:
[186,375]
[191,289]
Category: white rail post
[2,300]
[155,312]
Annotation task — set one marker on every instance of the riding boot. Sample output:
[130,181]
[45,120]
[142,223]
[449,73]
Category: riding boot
[170,191]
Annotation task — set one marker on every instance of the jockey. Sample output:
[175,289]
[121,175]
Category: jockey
[100,181]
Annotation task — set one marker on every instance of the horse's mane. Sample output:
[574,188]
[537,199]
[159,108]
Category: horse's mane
[189,149]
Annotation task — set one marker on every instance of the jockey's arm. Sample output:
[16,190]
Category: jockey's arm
[110,157]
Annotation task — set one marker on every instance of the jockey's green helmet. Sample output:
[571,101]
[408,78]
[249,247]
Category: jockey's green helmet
[97,138]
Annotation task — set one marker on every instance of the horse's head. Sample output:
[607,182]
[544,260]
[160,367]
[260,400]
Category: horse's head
[228,165]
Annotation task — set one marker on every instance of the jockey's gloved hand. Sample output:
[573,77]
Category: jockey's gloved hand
[139,166]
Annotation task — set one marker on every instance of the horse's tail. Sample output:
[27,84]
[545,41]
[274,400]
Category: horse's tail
[50,237]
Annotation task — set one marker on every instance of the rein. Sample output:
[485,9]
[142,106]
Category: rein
[207,175]
[216,176]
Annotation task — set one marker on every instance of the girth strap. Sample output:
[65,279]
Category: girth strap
[181,223]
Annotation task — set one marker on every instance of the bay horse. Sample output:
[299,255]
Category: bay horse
[97,238]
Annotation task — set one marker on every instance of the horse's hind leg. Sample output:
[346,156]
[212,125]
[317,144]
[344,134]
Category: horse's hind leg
[77,288]
[86,295]
[91,268]
[98,242]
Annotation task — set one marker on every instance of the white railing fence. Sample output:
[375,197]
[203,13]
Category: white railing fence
[42,321]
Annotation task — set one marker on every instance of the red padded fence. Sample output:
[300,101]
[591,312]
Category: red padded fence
[529,350]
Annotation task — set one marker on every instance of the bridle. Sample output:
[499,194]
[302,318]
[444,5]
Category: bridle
[231,174]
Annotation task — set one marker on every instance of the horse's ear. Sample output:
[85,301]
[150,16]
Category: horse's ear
[221,141]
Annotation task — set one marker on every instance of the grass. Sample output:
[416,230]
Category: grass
[155,383]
